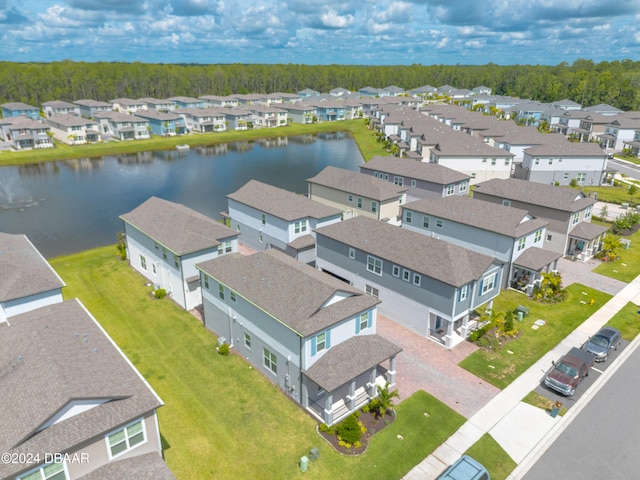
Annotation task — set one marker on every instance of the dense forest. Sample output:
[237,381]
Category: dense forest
[583,81]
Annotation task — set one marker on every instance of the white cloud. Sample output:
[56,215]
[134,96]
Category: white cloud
[331,19]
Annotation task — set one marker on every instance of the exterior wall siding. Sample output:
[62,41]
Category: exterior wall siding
[26,304]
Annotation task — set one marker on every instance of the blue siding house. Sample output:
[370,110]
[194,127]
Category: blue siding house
[16,109]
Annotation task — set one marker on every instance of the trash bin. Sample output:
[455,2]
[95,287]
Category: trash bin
[304,464]
[556,409]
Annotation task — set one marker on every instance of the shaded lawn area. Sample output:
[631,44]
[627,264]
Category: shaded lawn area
[627,320]
[500,367]
[492,456]
[221,418]
[627,266]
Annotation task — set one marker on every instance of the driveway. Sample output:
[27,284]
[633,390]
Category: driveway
[425,365]
[581,272]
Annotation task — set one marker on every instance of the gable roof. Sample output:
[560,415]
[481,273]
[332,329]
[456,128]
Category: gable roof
[52,356]
[509,221]
[23,270]
[177,227]
[568,149]
[281,203]
[290,291]
[357,183]
[440,260]
[550,196]
[428,172]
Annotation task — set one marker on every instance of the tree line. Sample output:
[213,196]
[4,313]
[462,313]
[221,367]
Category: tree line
[583,81]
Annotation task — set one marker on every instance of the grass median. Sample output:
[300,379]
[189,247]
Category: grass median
[222,419]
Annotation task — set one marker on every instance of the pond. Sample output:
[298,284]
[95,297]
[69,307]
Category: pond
[72,205]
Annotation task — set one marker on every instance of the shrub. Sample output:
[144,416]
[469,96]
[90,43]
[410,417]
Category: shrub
[324,428]
[479,333]
[121,246]
[160,293]
[223,349]
[349,430]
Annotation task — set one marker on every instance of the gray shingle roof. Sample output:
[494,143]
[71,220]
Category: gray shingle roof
[568,149]
[550,196]
[429,256]
[50,357]
[536,259]
[587,231]
[292,292]
[346,361]
[512,222]
[177,227]
[357,183]
[428,172]
[281,203]
[149,466]
[23,270]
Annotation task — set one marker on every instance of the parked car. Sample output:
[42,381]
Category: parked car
[565,374]
[466,468]
[603,342]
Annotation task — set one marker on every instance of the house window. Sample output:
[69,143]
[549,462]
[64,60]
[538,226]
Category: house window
[247,341]
[232,295]
[206,281]
[581,177]
[350,198]
[359,204]
[464,291]
[506,203]
[398,181]
[53,471]
[538,236]
[143,262]
[374,206]
[416,279]
[521,244]
[406,275]
[560,160]
[386,176]
[221,291]
[425,222]
[260,237]
[451,189]
[493,161]
[363,321]
[407,216]
[264,219]
[549,238]
[374,265]
[395,271]
[125,439]
[439,222]
[575,217]
[371,291]
[536,161]
[224,247]
[400,200]
[565,175]
[463,186]
[488,283]
[164,253]
[176,262]
[352,253]
[270,361]
[473,174]
[153,267]
[587,212]
[551,161]
[506,162]
[413,183]
[321,342]
[300,226]
[484,160]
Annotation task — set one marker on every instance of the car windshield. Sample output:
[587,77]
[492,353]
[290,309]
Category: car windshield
[600,341]
[567,369]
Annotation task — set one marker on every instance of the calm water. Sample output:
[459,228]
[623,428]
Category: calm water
[73,205]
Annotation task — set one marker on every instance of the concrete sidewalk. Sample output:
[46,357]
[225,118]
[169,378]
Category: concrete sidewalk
[523,430]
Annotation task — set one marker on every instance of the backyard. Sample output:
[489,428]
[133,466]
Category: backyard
[221,418]
[627,265]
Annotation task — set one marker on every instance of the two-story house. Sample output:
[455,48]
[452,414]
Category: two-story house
[59,107]
[165,124]
[158,104]
[204,120]
[19,109]
[300,112]
[73,129]
[267,116]
[358,194]
[428,285]
[568,211]
[165,240]
[23,133]
[127,105]
[307,332]
[270,217]
[122,125]
[423,180]
[89,108]
[510,235]
[28,281]
[72,404]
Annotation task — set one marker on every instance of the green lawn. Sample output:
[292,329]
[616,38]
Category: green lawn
[502,366]
[617,194]
[627,320]
[627,266]
[364,138]
[222,419]
[490,454]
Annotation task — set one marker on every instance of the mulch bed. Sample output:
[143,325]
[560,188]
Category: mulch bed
[373,425]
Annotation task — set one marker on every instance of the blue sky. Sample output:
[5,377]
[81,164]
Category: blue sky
[363,32]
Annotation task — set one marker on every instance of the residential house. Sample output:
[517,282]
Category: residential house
[392,90]
[165,240]
[428,285]
[89,108]
[219,101]
[270,217]
[330,110]
[27,282]
[370,91]
[592,127]
[426,90]
[73,129]
[58,107]
[568,211]
[512,236]
[267,116]
[300,112]
[122,125]
[163,123]
[338,92]
[620,130]
[127,105]
[309,333]
[603,109]
[19,109]
[281,97]
[187,102]
[203,120]
[72,404]
[23,133]
[424,180]
[158,105]
[308,92]
[237,119]
[566,104]
[569,123]
[560,163]
[357,194]
[481,90]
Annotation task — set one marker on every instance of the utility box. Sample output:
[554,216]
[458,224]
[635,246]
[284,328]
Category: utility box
[523,310]
[314,454]
[304,464]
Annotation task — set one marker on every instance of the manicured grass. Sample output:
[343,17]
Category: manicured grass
[618,194]
[491,455]
[627,266]
[537,400]
[500,367]
[627,320]
[364,138]
[222,419]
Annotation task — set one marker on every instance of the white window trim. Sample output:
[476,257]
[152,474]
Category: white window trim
[395,271]
[406,275]
[247,340]
[352,253]
[271,362]
[464,292]
[126,438]
[417,279]
[489,279]
[375,259]
[41,468]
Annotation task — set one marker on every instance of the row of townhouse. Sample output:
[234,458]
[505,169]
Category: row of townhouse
[97,414]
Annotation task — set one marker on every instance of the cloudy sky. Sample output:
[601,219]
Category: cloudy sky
[373,32]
